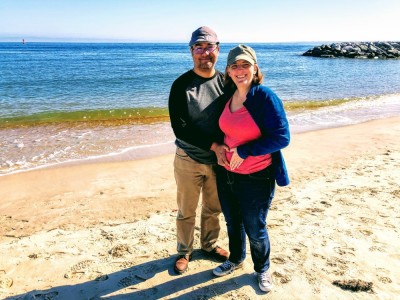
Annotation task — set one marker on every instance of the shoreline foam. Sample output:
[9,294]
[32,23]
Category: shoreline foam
[22,149]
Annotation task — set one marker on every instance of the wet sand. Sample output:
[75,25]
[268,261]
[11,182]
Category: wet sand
[107,230]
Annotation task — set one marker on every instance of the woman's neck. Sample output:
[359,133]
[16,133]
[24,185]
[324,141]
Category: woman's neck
[241,93]
[238,98]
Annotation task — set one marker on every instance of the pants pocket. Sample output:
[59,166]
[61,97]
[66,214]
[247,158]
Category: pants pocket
[180,154]
[262,175]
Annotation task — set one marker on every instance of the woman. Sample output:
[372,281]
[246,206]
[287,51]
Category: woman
[256,129]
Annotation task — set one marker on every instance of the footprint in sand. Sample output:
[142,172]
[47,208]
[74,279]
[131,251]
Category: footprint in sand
[326,204]
[47,296]
[310,276]
[299,254]
[389,225]
[81,267]
[314,211]
[339,265]
[280,260]
[5,282]
[337,262]
[344,251]
[382,275]
[376,248]
[279,223]
[139,231]
[120,250]
[396,193]
[367,220]
[365,232]
[130,280]
[282,277]
[319,255]
[108,236]
[385,279]
[98,276]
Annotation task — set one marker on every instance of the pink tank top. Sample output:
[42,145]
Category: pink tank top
[239,128]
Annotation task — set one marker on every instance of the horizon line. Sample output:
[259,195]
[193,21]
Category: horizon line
[42,39]
[73,41]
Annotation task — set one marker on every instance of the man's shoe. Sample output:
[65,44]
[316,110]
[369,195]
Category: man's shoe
[226,268]
[182,263]
[218,254]
[264,281]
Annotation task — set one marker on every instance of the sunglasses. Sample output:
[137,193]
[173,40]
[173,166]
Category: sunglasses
[200,50]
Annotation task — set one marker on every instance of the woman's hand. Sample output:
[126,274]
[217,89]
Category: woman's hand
[236,160]
[220,152]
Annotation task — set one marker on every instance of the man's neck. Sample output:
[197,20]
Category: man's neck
[205,73]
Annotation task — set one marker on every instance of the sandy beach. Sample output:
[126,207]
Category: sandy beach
[107,230]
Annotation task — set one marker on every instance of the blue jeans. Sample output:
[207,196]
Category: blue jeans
[245,200]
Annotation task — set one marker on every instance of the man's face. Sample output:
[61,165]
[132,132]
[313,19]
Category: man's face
[205,56]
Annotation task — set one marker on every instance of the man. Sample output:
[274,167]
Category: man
[195,104]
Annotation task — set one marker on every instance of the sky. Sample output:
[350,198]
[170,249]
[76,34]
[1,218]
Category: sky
[254,21]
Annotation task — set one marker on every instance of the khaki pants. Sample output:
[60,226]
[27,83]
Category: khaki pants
[191,179]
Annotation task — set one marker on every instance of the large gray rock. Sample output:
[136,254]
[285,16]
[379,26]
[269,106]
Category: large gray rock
[374,50]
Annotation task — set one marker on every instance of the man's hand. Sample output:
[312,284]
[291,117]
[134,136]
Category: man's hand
[220,151]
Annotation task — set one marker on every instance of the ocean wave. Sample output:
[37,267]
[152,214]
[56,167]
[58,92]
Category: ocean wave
[114,134]
[151,115]
[90,118]
[341,112]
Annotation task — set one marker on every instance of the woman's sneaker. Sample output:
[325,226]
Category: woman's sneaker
[264,281]
[226,268]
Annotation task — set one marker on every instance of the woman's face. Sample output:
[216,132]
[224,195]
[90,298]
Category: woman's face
[242,73]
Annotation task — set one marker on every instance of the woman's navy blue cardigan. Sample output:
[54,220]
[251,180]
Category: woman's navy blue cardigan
[267,111]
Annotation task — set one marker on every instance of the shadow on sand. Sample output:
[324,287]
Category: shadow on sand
[123,284]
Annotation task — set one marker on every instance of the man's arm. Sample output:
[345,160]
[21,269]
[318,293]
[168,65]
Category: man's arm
[181,122]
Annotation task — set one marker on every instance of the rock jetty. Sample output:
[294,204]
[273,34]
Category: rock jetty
[376,50]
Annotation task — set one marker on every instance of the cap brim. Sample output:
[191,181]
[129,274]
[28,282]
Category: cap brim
[241,56]
[203,41]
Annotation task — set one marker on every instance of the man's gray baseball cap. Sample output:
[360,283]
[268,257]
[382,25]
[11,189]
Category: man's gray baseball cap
[204,34]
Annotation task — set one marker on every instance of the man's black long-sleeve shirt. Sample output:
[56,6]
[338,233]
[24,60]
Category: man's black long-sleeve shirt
[195,105]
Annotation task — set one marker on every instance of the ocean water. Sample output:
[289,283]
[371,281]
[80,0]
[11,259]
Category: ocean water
[67,102]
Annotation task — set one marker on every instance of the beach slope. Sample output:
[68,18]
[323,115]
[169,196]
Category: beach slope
[107,230]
